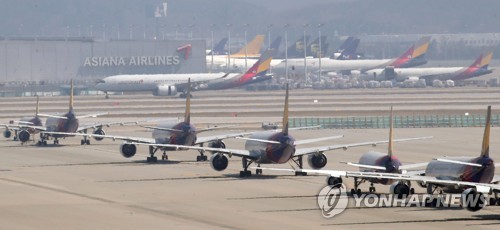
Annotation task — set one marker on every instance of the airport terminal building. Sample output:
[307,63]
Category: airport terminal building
[60,59]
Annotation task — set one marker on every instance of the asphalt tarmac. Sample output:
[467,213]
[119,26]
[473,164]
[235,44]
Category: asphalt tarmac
[70,186]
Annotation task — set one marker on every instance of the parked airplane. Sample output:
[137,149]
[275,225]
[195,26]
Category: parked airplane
[255,74]
[170,84]
[22,128]
[414,56]
[296,49]
[57,127]
[218,48]
[372,162]
[473,177]
[478,68]
[170,132]
[347,50]
[250,50]
[313,47]
[276,147]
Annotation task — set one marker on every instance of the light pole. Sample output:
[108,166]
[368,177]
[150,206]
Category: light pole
[246,54]
[131,32]
[305,54]
[229,45]
[212,47]
[286,52]
[91,30]
[103,31]
[191,26]
[320,55]
[269,43]
[176,31]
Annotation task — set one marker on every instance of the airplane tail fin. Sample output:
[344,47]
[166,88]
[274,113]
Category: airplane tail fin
[296,50]
[275,45]
[313,47]
[252,48]
[71,96]
[187,114]
[346,43]
[219,47]
[260,68]
[349,51]
[285,113]
[391,127]
[479,67]
[485,150]
[415,55]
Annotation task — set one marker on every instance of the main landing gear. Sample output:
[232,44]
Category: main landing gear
[300,164]
[246,173]
[202,156]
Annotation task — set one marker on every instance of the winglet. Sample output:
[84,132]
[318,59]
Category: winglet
[71,96]
[36,108]
[389,148]
[485,151]
[285,113]
[187,114]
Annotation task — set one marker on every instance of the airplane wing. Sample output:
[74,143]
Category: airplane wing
[201,140]
[230,152]
[124,138]
[100,125]
[22,126]
[91,115]
[480,187]
[307,151]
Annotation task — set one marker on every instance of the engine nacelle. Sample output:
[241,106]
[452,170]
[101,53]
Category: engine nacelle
[128,150]
[317,161]
[219,162]
[7,133]
[24,136]
[334,181]
[472,200]
[99,132]
[400,189]
[165,90]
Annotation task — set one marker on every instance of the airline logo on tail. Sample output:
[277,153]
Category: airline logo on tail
[478,68]
[260,68]
[185,51]
[414,56]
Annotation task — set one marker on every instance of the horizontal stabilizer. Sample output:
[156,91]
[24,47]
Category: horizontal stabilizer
[162,129]
[459,162]
[364,166]
[91,115]
[259,140]
[53,116]
[307,141]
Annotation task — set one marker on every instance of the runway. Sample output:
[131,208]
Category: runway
[94,187]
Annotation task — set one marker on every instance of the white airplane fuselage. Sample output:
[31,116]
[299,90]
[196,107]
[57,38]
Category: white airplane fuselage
[150,82]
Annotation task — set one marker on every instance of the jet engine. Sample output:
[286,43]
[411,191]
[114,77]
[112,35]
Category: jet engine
[128,150]
[219,162]
[165,90]
[24,136]
[333,181]
[472,200]
[400,189]
[317,161]
[7,133]
[99,132]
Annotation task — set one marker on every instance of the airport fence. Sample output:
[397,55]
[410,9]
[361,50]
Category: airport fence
[382,122]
